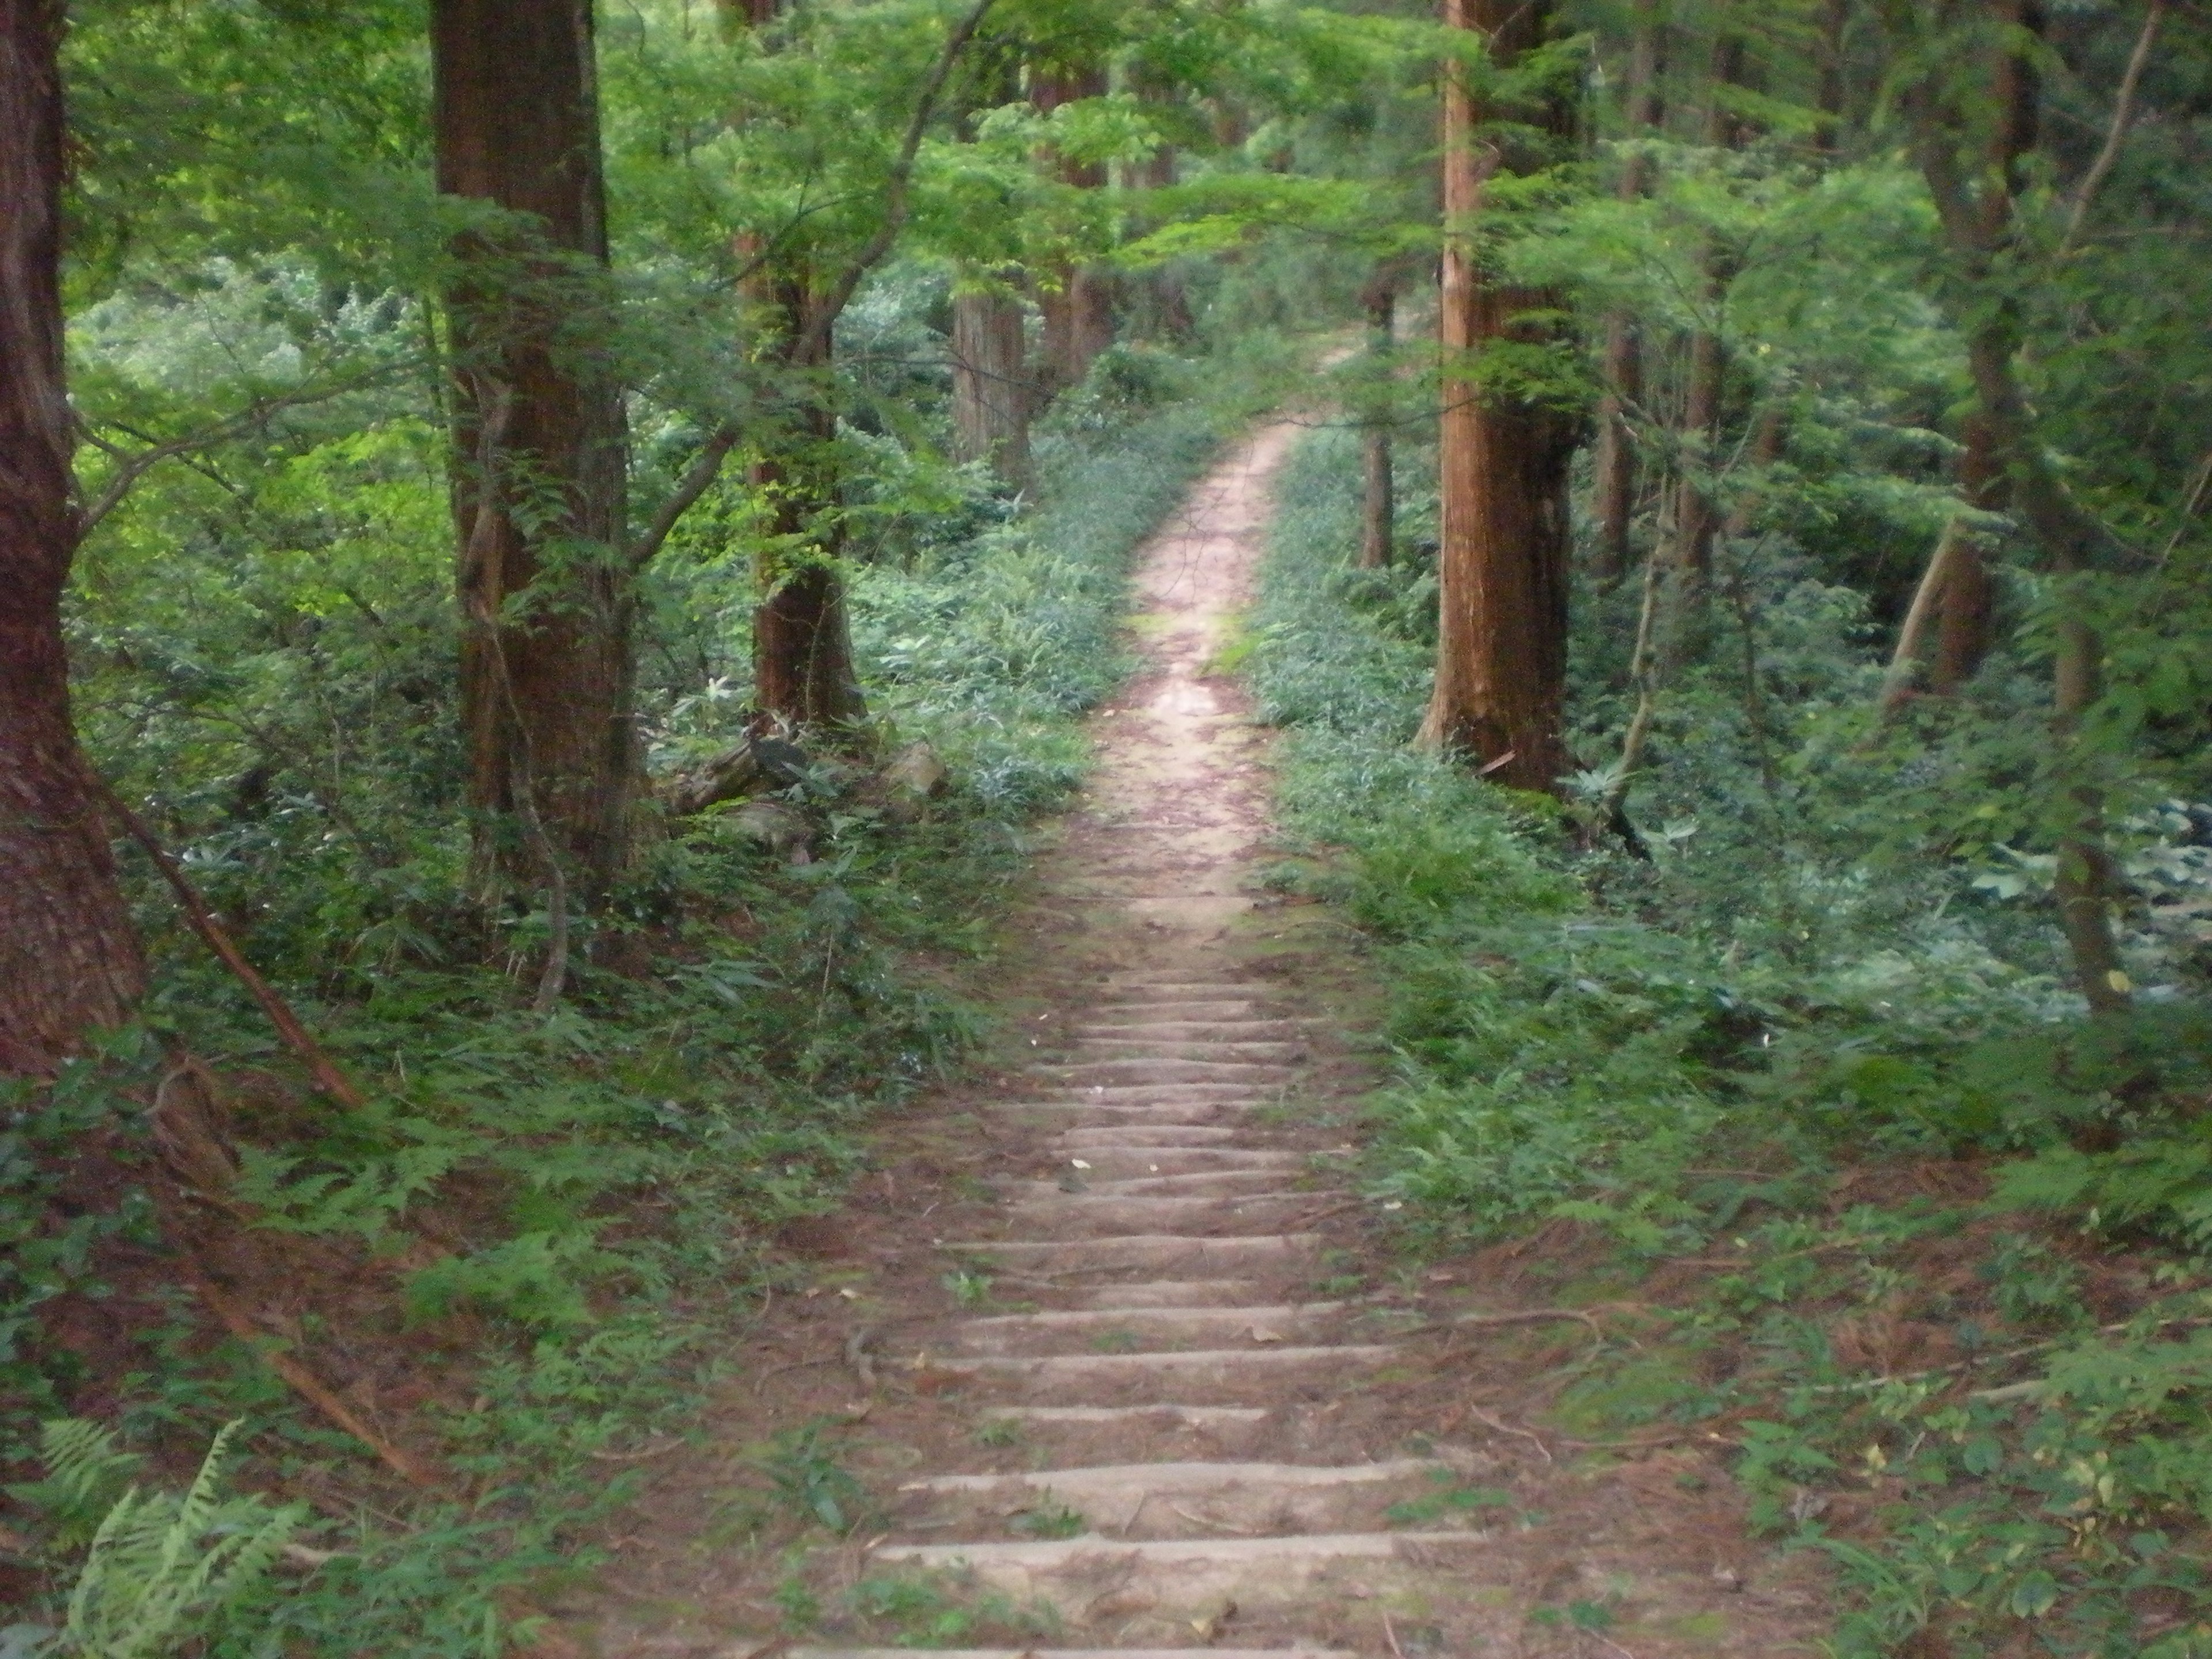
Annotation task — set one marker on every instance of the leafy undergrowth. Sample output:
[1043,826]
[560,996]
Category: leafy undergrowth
[521,1263]
[1870,1204]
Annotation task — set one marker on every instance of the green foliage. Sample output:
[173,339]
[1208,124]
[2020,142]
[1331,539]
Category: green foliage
[1685,1052]
[810,1482]
[160,1569]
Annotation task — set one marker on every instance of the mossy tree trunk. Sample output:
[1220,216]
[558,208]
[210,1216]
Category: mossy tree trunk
[1501,567]
[546,671]
[69,959]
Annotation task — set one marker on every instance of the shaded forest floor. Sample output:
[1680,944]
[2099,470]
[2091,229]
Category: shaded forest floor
[779,1516]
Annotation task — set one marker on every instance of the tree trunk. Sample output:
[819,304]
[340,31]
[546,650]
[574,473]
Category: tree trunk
[1077,301]
[69,960]
[990,386]
[1502,568]
[1966,600]
[1975,205]
[1613,466]
[803,675]
[1697,515]
[546,671]
[1965,605]
[1378,497]
[1831,85]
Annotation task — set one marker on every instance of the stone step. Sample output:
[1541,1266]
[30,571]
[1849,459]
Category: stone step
[1091,1049]
[1065,1329]
[1093,1184]
[1185,1136]
[1114,1434]
[1301,1651]
[1195,1256]
[1169,1293]
[1126,988]
[1195,1030]
[1183,1499]
[1162,1094]
[1092,1577]
[1204,1376]
[1195,1417]
[1137,1156]
[1084,1215]
[1091,1114]
[1129,1074]
[1233,1012]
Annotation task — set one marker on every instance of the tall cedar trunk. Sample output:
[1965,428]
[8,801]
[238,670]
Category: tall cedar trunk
[1502,568]
[1830,86]
[803,674]
[1162,307]
[68,959]
[990,386]
[1612,465]
[1697,513]
[1978,224]
[1965,604]
[1077,301]
[1377,501]
[546,671]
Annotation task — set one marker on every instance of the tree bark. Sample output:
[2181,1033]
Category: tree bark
[1501,567]
[1613,466]
[1975,203]
[69,959]
[546,672]
[1378,496]
[990,383]
[1965,604]
[1966,600]
[803,674]
[1697,515]
[1077,301]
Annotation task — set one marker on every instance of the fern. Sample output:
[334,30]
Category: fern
[86,1473]
[163,1566]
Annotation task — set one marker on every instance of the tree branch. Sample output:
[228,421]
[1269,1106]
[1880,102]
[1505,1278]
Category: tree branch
[132,465]
[2123,113]
[813,342]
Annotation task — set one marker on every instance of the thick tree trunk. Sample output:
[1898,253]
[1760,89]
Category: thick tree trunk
[1976,207]
[1966,600]
[1965,605]
[546,671]
[1076,303]
[1612,465]
[990,383]
[1830,86]
[1378,494]
[69,959]
[1501,657]
[803,674]
[1697,515]
[1162,307]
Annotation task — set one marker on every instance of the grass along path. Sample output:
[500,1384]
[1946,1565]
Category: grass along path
[1103,1360]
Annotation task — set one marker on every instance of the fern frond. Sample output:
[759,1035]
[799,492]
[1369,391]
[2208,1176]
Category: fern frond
[162,1564]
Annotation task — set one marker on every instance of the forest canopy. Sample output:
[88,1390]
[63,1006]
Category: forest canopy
[551,556]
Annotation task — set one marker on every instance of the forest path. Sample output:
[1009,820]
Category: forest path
[1105,1346]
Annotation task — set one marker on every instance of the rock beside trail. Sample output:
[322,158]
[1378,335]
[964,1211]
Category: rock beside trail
[915,777]
[775,827]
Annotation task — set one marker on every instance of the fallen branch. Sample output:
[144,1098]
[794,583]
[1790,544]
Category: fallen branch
[1500,1425]
[200,916]
[309,1386]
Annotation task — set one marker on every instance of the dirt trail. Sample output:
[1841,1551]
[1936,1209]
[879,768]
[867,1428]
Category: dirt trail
[1128,1374]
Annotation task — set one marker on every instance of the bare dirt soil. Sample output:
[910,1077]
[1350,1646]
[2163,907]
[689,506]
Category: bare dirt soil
[1103,1355]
